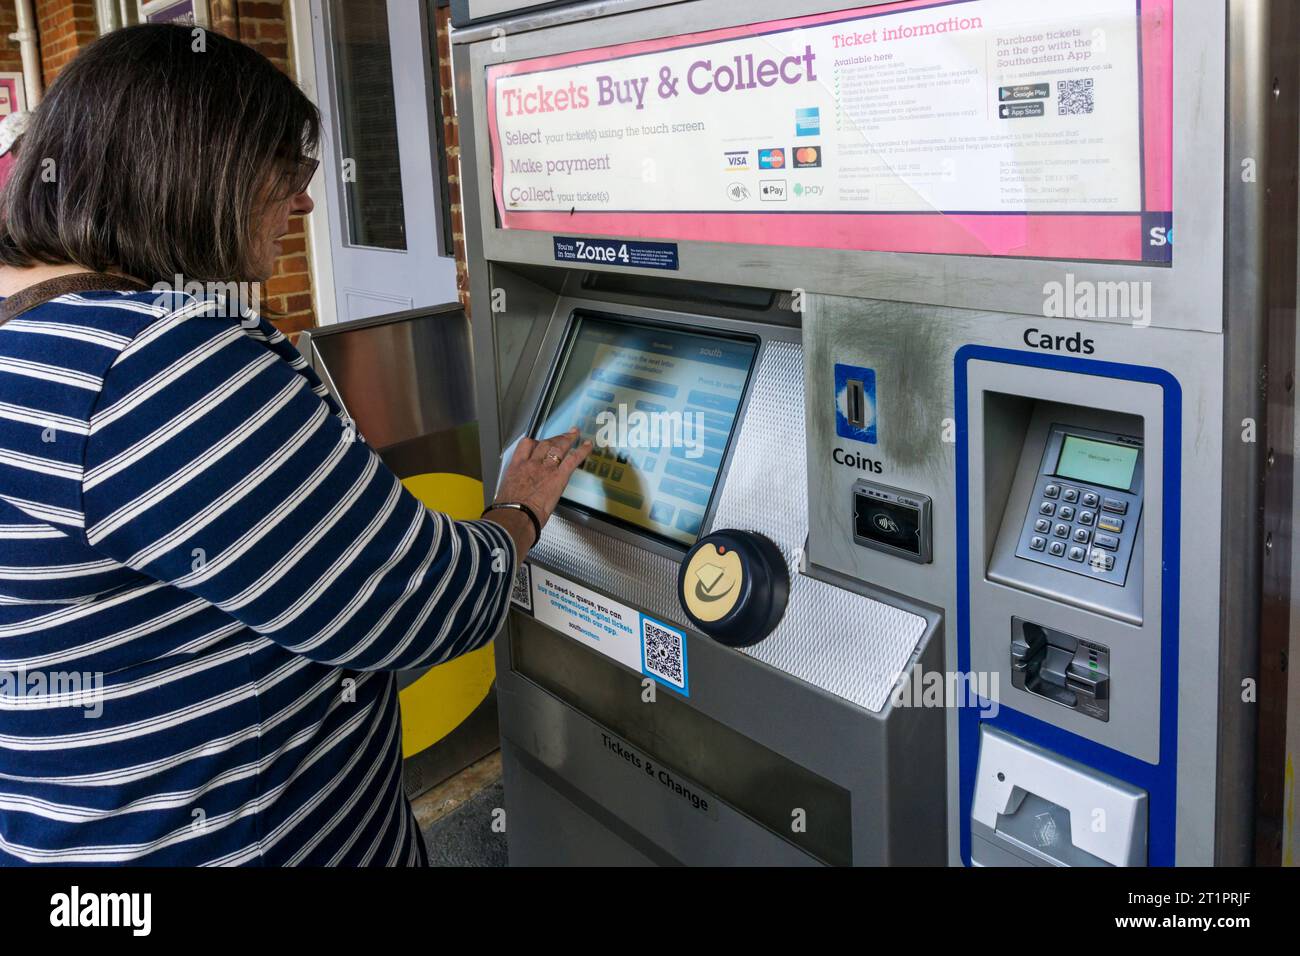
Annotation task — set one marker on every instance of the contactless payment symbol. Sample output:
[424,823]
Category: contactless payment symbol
[855,403]
[737,191]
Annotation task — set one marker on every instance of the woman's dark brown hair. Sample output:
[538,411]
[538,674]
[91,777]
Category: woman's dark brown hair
[153,154]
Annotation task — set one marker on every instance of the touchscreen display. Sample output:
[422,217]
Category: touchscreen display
[1097,462]
[660,406]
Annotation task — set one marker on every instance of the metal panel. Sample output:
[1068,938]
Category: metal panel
[705,754]
[859,658]
[1180,293]
[1274,541]
[1042,596]
[909,314]
[894,770]
[399,376]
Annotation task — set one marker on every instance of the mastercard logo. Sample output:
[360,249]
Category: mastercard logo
[806,156]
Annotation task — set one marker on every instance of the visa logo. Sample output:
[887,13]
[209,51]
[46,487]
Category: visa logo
[736,160]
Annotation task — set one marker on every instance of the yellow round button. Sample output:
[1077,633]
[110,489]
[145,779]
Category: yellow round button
[712,583]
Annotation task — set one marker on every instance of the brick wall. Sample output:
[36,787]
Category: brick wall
[451,142]
[66,26]
[11,58]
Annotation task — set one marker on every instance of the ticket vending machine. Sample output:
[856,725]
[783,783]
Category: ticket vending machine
[928,518]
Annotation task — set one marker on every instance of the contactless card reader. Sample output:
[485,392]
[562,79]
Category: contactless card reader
[1087,500]
[892,521]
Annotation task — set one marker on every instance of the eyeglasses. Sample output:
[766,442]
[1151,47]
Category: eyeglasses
[306,171]
[301,175]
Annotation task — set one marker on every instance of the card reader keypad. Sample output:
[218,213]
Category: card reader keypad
[1080,529]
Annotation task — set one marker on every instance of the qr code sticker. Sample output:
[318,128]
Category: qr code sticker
[521,593]
[1074,97]
[663,649]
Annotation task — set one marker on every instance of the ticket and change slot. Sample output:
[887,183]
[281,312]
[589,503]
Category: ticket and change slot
[660,405]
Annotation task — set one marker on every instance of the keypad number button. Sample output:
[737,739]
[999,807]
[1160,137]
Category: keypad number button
[1052,491]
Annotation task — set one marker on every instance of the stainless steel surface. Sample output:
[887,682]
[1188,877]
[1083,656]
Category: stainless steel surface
[1249,82]
[399,376]
[852,646]
[1279,501]
[912,348]
[540,19]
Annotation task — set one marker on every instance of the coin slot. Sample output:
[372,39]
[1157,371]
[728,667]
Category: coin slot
[856,400]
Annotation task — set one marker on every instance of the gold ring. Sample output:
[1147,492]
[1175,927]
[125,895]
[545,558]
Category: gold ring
[554,457]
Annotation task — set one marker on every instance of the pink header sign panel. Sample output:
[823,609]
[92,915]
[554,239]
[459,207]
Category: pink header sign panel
[977,127]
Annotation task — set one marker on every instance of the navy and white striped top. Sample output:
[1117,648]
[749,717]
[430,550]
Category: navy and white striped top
[206,581]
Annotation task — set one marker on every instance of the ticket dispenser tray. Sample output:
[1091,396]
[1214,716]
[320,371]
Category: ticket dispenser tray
[1036,808]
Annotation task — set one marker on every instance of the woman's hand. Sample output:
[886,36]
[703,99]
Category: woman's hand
[536,476]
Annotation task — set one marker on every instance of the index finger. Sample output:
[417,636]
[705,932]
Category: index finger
[576,456]
[524,449]
[557,443]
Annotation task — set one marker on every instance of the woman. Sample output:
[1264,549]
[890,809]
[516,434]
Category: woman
[206,580]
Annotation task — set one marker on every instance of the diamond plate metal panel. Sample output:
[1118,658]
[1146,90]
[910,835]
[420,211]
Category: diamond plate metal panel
[846,644]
